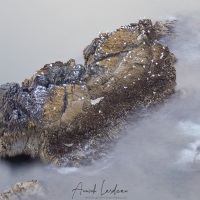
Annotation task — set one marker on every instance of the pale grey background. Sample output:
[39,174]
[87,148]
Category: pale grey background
[36,32]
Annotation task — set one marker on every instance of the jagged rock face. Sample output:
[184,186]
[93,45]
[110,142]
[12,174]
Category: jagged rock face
[58,113]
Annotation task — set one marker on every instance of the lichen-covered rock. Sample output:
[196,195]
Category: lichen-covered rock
[63,113]
[164,28]
[23,190]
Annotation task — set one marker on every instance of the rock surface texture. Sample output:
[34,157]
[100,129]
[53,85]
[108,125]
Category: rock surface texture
[23,190]
[60,114]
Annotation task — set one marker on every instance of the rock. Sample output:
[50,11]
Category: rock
[164,28]
[8,195]
[22,190]
[68,103]
[28,188]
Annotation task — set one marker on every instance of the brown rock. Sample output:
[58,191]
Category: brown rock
[69,113]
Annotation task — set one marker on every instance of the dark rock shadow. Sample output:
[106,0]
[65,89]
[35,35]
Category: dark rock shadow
[20,161]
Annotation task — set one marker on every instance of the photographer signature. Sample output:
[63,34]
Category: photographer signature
[94,190]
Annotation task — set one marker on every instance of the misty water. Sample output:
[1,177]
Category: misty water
[155,158]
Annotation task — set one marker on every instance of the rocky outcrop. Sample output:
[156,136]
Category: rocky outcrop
[164,28]
[23,190]
[63,113]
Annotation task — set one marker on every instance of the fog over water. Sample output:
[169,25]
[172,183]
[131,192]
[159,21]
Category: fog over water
[155,159]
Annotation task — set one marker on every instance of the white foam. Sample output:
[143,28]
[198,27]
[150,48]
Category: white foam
[190,128]
[188,155]
[65,170]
